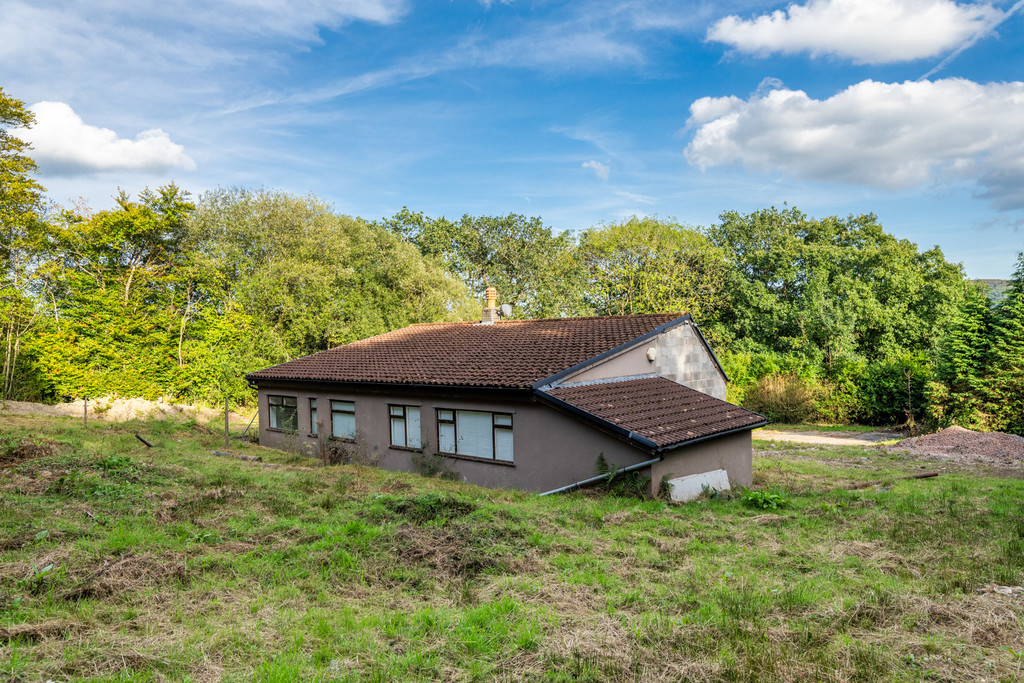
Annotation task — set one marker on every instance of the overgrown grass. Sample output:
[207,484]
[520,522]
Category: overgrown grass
[175,564]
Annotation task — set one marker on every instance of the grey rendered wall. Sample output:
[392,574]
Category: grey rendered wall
[628,363]
[551,449]
[680,356]
[732,453]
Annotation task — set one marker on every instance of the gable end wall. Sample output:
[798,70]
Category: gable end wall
[681,356]
[684,358]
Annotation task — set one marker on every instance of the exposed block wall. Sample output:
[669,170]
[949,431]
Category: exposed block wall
[682,357]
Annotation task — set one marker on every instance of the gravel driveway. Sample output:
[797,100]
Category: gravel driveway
[827,438]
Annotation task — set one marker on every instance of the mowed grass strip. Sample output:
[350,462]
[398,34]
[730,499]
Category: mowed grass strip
[119,562]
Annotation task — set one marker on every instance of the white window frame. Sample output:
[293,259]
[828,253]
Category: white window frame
[401,414]
[279,401]
[501,429]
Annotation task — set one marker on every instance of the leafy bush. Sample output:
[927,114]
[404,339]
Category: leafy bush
[765,500]
[783,397]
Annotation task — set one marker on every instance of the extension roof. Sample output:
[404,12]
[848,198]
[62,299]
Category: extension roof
[661,412]
[510,354]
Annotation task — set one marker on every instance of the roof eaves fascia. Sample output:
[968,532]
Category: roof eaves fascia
[637,439]
[525,389]
[690,442]
[550,379]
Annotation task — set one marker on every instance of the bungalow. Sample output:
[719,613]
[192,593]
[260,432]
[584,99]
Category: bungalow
[525,404]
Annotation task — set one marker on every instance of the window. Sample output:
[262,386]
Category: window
[284,413]
[405,426]
[313,428]
[475,433]
[343,420]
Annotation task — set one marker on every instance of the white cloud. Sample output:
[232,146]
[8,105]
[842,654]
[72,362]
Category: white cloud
[887,135]
[64,145]
[866,31]
[602,171]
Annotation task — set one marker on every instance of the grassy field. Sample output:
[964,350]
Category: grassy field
[121,562]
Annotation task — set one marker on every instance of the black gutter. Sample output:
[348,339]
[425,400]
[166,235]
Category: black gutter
[618,349]
[389,386]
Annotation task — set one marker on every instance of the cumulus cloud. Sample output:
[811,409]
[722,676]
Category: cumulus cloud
[866,31]
[886,135]
[65,145]
[602,171]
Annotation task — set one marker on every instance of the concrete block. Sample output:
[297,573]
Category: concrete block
[683,489]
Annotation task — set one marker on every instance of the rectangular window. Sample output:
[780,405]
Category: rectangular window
[405,426]
[475,433]
[343,420]
[284,413]
[312,417]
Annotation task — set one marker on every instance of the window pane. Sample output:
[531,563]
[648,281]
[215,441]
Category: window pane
[474,434]
[290,401]
[343,406]
[396,411]
[274,400]
[343,425]
[312,417]
[284,417]
[397,431]
[445,415]
[503,420]
[446,437]
[503,444]
[412,427]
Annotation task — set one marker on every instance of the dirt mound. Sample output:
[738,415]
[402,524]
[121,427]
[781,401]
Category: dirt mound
[112,409]
[965,445]
[28,450]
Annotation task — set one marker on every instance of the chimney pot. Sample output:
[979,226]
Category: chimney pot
[491,309]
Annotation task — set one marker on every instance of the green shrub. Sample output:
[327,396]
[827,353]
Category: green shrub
[893,391]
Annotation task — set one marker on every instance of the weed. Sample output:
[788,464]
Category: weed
[35,582]
[765,500]
[114,463]
[625,484]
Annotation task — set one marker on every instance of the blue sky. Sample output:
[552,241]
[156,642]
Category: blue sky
[575,112]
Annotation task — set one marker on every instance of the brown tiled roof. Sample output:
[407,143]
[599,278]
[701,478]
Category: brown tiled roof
[658,409]
[508,354]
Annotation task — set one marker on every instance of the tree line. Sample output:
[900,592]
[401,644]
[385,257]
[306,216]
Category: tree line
[178,296]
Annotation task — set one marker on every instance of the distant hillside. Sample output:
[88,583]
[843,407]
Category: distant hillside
[996,289]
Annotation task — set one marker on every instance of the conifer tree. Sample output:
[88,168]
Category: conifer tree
[962,362]
[1005,385]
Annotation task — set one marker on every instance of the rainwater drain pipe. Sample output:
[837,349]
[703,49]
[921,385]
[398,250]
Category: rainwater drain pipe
[599,477]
